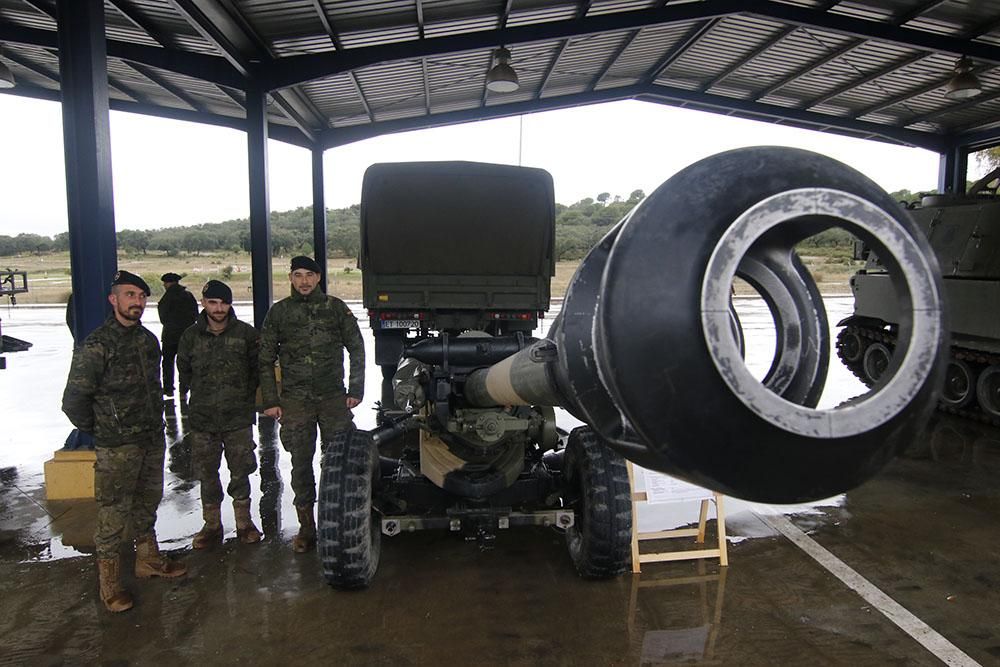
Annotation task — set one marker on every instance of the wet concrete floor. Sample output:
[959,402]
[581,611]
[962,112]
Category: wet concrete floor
[925,532]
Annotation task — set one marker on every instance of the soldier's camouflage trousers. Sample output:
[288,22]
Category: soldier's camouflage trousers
[128,486]
[299,420]
[206,453]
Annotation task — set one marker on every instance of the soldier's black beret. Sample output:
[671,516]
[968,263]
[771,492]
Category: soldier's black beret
[307,263]
[170,278]
[216,289]
[126,278]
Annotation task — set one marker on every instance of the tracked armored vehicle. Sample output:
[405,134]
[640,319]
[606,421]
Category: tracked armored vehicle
[645,351]
[963,233]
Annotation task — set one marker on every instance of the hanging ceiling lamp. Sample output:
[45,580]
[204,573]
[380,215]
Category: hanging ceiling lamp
[964,84]
[502,78]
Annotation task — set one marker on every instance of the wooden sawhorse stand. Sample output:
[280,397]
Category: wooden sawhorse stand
[698,533]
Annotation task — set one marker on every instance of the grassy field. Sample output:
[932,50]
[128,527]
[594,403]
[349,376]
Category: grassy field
[49,275]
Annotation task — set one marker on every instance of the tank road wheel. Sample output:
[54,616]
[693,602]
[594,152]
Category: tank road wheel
[988,390]
[691,406]
[348,535]
[877,358]
[850,346]
[959,385]
[600,541]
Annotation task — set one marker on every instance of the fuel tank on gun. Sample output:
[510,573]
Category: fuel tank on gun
[645,352]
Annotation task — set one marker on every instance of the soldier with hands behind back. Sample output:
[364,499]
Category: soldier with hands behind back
[177,309]
[308,332]
[114,393]
[217,361]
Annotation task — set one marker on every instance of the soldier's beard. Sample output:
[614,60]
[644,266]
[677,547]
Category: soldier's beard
[218,318]
[131,314]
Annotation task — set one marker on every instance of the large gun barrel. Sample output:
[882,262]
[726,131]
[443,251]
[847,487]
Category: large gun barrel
[644,350]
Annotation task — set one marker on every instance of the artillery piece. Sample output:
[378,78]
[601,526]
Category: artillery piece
[646,352]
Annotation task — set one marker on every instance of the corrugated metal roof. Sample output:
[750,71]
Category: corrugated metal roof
[874,68]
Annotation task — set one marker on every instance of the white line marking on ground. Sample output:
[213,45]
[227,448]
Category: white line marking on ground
[929,638]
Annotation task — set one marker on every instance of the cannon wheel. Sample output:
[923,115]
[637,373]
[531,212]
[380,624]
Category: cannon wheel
[600,541]
[349,538]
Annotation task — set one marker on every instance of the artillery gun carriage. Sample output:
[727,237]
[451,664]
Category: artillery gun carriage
[645,351]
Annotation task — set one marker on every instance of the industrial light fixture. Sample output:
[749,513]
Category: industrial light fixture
[502,78]
[6,76]
[964,84]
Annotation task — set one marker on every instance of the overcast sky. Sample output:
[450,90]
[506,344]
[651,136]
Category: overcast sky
[169,173]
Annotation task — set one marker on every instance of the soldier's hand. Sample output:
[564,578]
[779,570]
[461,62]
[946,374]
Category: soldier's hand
[273,413]
[352,402]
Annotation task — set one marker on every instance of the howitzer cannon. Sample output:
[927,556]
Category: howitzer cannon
[12,283]
[646,351]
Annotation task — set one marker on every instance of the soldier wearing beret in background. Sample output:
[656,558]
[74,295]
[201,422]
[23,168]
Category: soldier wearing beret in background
[177,309]
[217,360]
[308,332]
[113,392]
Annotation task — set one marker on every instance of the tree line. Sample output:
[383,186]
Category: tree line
[579,226]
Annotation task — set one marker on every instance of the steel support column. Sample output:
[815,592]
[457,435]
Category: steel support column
[260,224]
[953,169]
[83,71]
[319,213]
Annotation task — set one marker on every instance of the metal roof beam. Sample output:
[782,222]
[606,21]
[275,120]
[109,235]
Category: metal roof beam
[163,83]
[297,69]
[307,67]
[552,68]
[128,10]
[26,63]
[645,92]
[196,65]
[231,36]
[338,45]
[909,95]
[696,32]
[886,32]
[970,34]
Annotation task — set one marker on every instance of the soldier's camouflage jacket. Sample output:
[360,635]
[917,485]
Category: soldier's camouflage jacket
[308,335]
[221,372]
[113,390]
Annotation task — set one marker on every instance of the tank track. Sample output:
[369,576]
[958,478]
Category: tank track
[888,338]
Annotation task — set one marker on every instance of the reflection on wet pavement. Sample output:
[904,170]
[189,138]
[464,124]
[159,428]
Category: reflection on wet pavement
[926,531]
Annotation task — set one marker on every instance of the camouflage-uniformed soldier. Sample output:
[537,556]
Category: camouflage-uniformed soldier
[177,309]
[113,392]
[308,332]
[217,359]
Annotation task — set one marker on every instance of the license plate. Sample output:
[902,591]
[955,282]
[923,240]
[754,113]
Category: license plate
[400,324]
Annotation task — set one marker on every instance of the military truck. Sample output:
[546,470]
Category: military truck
[645,351]
[962,231]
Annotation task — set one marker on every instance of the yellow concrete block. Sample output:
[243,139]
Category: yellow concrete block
[70,475]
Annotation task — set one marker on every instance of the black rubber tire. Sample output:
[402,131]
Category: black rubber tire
[349,538]
[986,390]
[876,360]
[600,541]
[663,376]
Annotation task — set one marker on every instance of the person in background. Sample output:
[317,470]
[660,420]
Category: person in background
[217,361]
[177,309]
[113,392]
[308,333]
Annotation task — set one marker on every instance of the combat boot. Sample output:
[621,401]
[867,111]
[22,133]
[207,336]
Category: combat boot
[113,595]
[306,539]
[245,530]
[211,533]
[150,563]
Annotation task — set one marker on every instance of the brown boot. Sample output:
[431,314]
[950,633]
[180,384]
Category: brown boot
[113,595]
[149,562]
[211,533]
[245,530]
[306,539]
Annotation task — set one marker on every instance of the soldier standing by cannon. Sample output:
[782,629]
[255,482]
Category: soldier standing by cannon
[177,309]
[113,392]
[217,360]
[308,332]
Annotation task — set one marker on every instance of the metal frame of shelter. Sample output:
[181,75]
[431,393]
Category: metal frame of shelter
[324,73]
